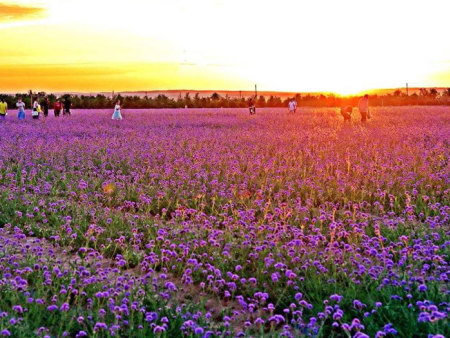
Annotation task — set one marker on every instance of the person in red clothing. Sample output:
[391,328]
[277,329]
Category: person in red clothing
[57,107]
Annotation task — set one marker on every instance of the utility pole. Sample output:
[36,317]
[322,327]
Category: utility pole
[406,88]
[256,91]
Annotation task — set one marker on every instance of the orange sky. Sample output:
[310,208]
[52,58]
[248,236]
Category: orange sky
[289,45]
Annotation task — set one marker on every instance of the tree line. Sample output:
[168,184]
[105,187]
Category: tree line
[398,98]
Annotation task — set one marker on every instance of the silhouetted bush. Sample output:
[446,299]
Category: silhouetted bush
[398,98]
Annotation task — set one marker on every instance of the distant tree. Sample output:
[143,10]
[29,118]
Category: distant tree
[261,101]
[423,92]
[180,101]
[433,92]
[274,101]
[398,92]
[197,100]
[187,99]
[215,97]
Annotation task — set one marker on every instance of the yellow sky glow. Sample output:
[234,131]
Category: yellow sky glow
[288,45]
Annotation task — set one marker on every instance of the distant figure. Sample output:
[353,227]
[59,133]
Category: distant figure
[116,114]
[291,108]
[364,108]
[295,104]
[346,113]
[44,105]
[251,106]
[3,109]
[57,108]
[20,109]
[67,105]
[36,109]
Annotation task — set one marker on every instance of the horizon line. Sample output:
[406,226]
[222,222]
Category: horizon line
[222,90]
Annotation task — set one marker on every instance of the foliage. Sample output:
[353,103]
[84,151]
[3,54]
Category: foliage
[272,224]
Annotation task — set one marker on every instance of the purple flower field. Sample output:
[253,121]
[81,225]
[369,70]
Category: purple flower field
[210,223]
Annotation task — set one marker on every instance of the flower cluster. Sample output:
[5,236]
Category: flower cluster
[215,223]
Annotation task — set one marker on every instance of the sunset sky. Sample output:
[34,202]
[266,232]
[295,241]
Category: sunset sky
[287,45]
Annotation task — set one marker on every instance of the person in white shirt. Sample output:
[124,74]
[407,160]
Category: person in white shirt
[36,109]
[117,115]
[363,106]
[20,109]
[291,106]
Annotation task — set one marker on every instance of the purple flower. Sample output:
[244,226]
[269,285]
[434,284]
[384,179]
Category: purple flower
[99,326]
[17,308]
[171,286]
[274,277]
[64,307]
[357,305]
[336,298]
[52,307]
[158,329]
[259,321]
[198,330]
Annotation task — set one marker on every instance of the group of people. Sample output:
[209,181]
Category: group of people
[363,106]
[43,107]
[37,108]
[346,112]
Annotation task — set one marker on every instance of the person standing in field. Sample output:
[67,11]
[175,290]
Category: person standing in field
[291,105]
[44,106]
[3,109]
[20,109]
[117,115]
[36,109]
[251,106]
[364,108]
[57,108]
[67,105]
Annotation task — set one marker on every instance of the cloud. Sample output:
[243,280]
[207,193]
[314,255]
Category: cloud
[11,12]
[90,77]
[40,71]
